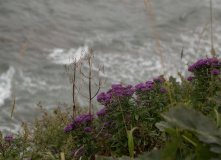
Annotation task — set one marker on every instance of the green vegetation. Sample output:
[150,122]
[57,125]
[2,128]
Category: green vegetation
[154,120]
[137,122]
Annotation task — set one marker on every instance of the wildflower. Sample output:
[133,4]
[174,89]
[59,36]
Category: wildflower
[101,96]
[127,118]
[79,151]
[149,82]
[9,138]
[106,123]
[113,123]
[102,112]
[147,104]
[189,79]
[137,100]
[88,119]
[157,80]
[215,72]
[87,129]
[163,90]
[204,63]
[67,129]
[108,135]
[79,121]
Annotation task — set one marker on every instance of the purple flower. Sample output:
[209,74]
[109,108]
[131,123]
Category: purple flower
[101,96]
[215,72]
[88,119]
[108,135]
[157,80]
[6,145]
[113,123]
[78,119]
[9,138]
[102,112]
[163,90]
[127,118]
[87,129]
[147,104]
[204,63]
[189,79]
[129,86]
[106,123]
[80,151]
[140,85]
[67,129]
[137,100]
[149,82]
[78,122]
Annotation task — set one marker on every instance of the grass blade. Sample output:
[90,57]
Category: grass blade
[131,142]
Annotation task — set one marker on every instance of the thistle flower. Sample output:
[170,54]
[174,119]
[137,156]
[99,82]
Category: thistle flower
[102,112]
[9,138]
[189,79]
[113,123]
[137,100]
[80,151]
[108,135]
[215,72]
[163,90]
[106,123]
[127,118]
[157,80]
[87,129]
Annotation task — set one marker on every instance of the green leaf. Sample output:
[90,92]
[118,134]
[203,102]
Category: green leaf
[136,117]
[204,153]
[172,132]
[152,155]
[131,142]
[196,122]
[163,125]
[171,149]
[218,119]
[51,156]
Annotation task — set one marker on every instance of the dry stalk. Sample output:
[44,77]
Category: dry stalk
[14,98]
[151,19]
[77,66]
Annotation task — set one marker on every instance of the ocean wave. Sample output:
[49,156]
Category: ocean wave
[62,56]
[6,84]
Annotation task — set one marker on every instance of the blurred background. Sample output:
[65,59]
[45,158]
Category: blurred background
[118,30]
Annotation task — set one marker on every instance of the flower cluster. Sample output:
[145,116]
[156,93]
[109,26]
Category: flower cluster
[102,112]
[106,123]
[215,72]
[137,100]
[189,79]
[204,63]
[116,91]
[9,138]
[108,135]
[144,87]
[163,90]
[128,117]
[88,129]
[157,80]
[83,119]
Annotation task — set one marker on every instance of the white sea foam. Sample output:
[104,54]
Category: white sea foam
[6,85]
[62,56]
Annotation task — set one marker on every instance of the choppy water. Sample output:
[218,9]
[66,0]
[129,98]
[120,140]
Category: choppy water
[120,32]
